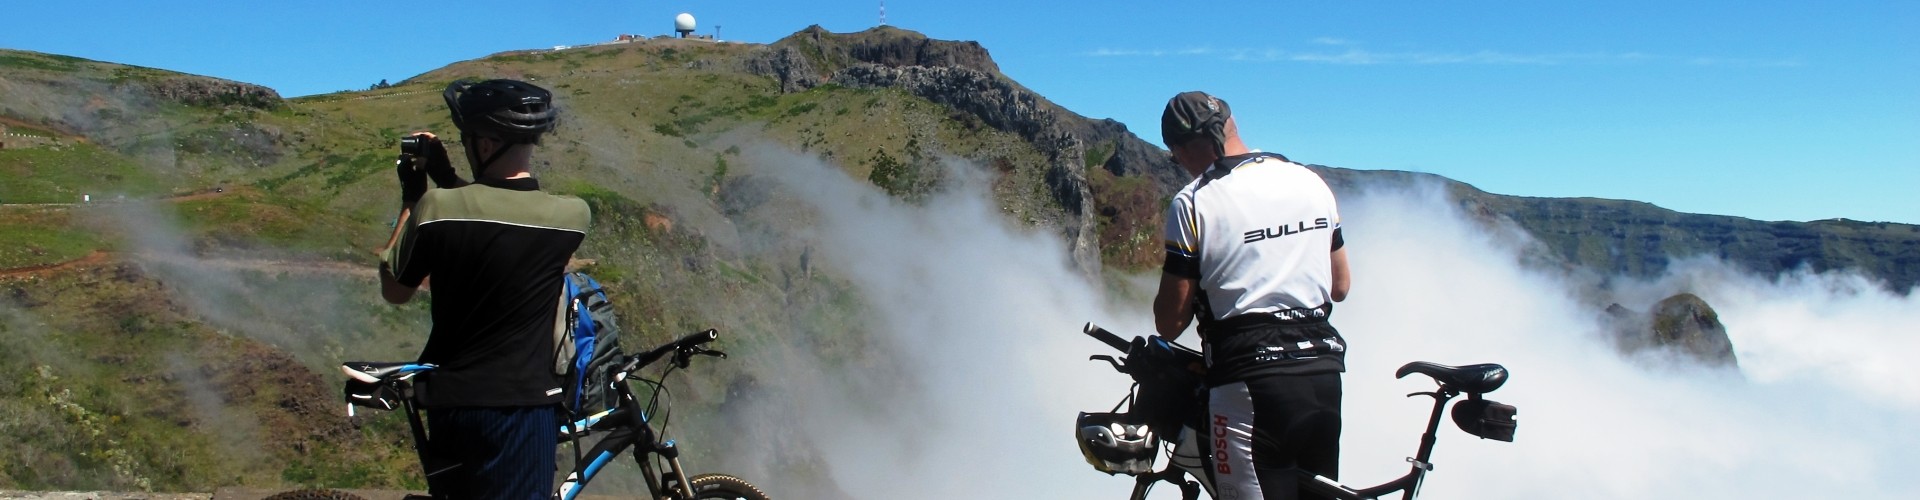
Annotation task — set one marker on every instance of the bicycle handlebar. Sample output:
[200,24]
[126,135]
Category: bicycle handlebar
[1106,337]
[690,342]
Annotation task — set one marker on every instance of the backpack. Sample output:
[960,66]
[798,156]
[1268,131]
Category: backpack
[586,345]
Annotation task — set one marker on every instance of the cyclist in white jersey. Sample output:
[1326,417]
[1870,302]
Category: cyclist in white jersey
[1255,253]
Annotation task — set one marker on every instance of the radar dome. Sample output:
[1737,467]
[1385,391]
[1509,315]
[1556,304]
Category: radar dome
[683,23]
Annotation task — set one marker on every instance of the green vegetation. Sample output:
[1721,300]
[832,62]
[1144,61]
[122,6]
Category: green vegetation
[38,243]
[35,60]
[64,173]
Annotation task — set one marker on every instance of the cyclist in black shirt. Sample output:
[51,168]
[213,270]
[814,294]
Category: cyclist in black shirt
[496,251]
[1254,251]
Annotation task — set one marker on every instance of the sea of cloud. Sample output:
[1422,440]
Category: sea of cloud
[980,320]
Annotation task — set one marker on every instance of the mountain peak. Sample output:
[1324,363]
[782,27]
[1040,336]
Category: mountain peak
[886,46]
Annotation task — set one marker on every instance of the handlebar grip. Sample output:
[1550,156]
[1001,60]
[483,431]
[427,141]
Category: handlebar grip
[1106,337]
[697,338]
[647,358]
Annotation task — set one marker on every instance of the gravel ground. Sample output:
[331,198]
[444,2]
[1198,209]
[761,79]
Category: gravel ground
[99,495]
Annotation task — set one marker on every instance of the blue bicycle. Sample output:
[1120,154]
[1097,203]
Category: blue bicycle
[388,386]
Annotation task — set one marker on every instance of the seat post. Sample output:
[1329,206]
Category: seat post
[419,430]
[1440,399]
[1421,463]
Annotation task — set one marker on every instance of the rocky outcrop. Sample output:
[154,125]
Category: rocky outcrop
[1682,324]
[1004,106]
[1686,323]
[212,92]
[961,76]
[826,52]
[787,65]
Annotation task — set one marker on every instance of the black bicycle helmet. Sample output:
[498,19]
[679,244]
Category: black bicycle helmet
[513,111]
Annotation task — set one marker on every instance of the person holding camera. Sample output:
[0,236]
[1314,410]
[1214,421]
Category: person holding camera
[496,250]
[1254,251]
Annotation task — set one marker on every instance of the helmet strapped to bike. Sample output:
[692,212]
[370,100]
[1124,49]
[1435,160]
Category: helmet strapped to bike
[511,111]
[1116,444]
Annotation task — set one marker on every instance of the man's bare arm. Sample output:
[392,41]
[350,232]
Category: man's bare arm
[1173,305]
[1342,279]
[390,287]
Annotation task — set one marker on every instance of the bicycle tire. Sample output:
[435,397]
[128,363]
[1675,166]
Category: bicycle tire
[315,494]
[723,487]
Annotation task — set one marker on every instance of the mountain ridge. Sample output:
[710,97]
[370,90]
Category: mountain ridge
[653,139]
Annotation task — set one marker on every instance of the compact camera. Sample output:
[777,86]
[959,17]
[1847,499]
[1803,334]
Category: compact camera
[413,145]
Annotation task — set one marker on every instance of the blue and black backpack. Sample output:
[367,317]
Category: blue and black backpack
[587,344]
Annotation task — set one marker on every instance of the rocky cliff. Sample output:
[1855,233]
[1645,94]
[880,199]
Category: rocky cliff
[1638,239]
[959,75]
[1611,237]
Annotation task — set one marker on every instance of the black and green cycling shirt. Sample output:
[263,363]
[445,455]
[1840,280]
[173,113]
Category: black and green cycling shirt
[497,252]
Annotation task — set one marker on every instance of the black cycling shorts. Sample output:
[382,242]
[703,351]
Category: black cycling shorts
[1262,430]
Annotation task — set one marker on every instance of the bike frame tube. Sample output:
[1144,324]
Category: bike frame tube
[1409,484]
[1143,484]
[571,487]
[633,433]
[419,429]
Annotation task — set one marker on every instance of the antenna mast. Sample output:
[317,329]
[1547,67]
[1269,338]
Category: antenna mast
[883,12]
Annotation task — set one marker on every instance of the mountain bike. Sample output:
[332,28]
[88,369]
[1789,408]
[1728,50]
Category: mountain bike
[388,386]
[1165,401]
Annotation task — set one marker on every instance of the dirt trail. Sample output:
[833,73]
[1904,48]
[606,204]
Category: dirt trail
[288,266]
[41,270]
[98,495]
[310,267]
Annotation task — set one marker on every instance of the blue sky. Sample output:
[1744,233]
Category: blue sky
[1760,109]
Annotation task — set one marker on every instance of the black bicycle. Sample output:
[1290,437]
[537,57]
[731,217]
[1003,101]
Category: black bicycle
[388,386]
[1165,406]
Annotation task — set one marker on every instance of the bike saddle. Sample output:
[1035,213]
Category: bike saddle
[1471,379]
[373,372]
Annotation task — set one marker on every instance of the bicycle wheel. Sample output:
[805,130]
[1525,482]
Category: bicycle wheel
[315,494]
[723,487]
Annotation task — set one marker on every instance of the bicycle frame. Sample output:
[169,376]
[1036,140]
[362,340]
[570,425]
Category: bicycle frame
[1410,483]
[627,427]
[1452,384]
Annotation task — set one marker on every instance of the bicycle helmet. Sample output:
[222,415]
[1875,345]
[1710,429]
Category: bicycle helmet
[512,111]
[1114,445]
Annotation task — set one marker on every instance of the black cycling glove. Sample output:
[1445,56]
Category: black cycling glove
[439,167]
[413,181]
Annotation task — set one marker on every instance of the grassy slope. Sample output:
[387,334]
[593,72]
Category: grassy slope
[653,131]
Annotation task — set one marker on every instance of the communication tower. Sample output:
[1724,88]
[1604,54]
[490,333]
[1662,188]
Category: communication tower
[883,12]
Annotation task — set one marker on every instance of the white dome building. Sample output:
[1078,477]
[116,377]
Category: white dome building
[683,24]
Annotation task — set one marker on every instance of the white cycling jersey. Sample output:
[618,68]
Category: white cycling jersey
[1257,231]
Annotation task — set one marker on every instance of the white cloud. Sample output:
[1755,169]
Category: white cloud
[982,315]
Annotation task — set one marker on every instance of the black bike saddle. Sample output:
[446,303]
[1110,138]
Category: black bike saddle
[1472,379]
[373,372]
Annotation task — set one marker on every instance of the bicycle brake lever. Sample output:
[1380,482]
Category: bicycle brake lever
[714,353]
[1109,359]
